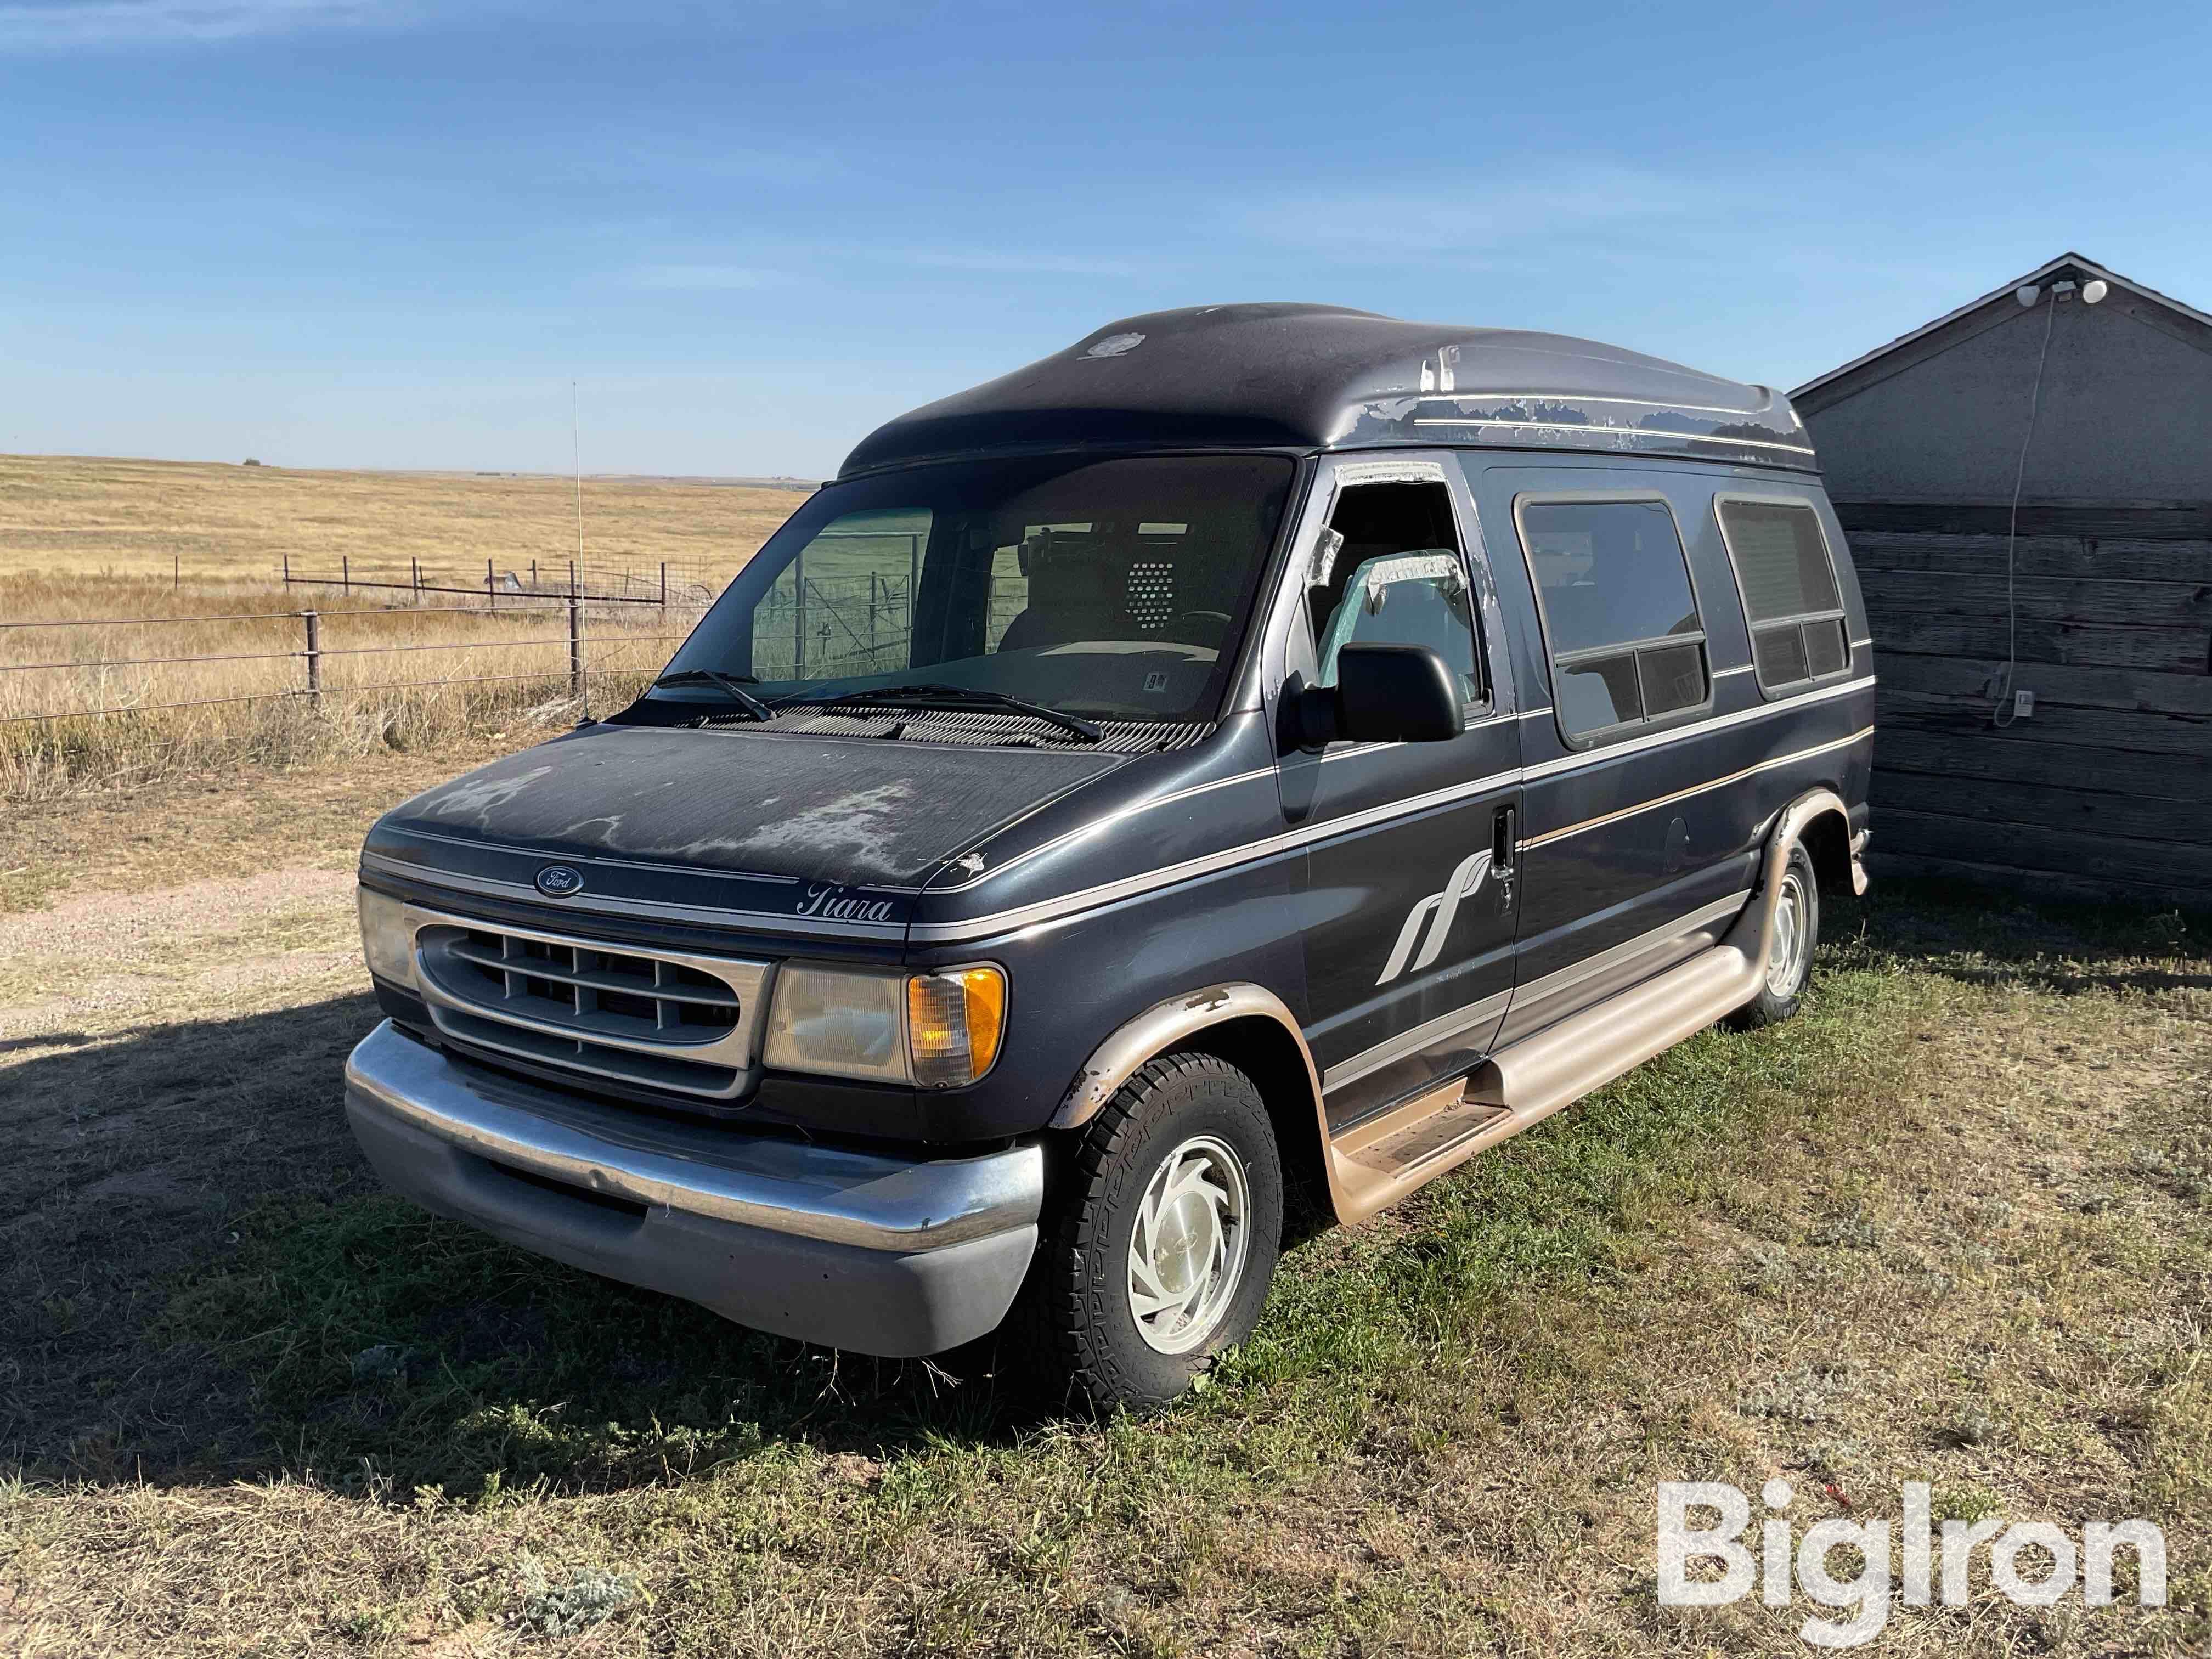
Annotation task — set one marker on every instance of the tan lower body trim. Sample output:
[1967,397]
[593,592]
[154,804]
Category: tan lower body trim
[1522,1085]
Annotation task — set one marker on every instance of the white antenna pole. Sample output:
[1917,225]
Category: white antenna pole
[576,443]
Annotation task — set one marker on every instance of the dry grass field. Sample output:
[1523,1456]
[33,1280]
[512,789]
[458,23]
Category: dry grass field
[96,517]
[81,541]
[1954,1224]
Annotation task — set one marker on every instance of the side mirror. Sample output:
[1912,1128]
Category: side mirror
[1382,694]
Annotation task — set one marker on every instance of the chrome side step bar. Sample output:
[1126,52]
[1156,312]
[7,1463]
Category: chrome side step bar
[1379,1161]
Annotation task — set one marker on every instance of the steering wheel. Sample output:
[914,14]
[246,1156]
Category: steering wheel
[1202,627]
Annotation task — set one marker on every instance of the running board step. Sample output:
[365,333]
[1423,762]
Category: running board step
[1376,1163]
[1401,1142]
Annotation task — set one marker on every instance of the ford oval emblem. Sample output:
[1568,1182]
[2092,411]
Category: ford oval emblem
[560,881]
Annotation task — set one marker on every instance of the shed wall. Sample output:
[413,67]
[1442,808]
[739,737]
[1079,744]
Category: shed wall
[2126,411]
[2107,787]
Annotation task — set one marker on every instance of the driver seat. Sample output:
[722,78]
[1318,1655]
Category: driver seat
[1081,596]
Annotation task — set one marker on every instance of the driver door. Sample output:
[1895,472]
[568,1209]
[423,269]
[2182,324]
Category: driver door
[1409,948]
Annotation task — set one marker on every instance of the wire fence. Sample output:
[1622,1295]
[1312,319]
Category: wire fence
[803,628]
[313,654]
[680,583]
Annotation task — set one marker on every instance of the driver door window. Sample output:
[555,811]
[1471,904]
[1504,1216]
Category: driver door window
[1397,579]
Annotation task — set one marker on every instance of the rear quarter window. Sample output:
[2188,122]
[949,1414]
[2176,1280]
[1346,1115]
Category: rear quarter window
[1787,577]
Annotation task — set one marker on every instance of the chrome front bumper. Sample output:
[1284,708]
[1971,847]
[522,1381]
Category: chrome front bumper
[855,1250]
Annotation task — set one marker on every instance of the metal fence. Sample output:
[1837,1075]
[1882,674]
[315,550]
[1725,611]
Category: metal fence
[313,652]
[685,585]
[805,627]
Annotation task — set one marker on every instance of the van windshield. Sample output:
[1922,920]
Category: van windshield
[1118,589]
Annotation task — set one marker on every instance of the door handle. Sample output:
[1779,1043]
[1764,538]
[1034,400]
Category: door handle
[1503,844]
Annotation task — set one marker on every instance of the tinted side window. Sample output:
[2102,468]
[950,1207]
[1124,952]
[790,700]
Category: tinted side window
[1789,585]
[1620,615]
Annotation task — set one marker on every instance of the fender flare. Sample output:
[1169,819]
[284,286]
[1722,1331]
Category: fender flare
[1117,1059]
[1753,931]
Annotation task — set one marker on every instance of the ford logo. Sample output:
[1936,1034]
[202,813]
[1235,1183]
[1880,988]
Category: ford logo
[560,880]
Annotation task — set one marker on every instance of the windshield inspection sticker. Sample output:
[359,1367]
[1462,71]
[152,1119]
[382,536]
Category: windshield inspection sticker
[1155,682]
[1115,345]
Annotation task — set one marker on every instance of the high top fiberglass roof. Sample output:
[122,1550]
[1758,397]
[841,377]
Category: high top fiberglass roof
[1321,377]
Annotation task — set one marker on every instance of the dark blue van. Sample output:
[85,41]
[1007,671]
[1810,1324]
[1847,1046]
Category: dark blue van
[1260,751]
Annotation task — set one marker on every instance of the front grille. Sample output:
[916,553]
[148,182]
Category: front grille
[639,996]
[661,1020]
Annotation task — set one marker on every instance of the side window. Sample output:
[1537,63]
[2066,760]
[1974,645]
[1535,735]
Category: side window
[1789,587]
[844,605]
[1397,579]
[1619,614]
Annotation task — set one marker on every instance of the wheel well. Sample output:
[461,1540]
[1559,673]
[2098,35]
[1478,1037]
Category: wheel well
[1261,1049]
[1828,841]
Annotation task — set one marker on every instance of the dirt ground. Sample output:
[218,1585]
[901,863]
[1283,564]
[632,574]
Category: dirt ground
[1953,1224]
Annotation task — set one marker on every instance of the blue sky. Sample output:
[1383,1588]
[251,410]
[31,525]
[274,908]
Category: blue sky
[389,233]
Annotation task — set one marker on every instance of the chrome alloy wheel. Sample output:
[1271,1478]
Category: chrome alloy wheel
[1789,958]
[1188,1249]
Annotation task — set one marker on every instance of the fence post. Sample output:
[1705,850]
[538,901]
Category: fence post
[345,573]
[415,568]
[799,614]
[176,572]
[314,656]
[576,645]
[491,593]
[287,570]
[663,583]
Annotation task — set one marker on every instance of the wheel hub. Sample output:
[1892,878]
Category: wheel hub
[1785,959]
[1187,1246]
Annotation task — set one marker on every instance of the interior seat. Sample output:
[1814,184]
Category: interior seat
[1083,597]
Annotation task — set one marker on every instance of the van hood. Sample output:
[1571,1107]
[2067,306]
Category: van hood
[857,812]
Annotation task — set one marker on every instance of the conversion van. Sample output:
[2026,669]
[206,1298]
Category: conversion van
[1259,750]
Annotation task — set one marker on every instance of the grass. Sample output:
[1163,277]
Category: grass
[514,666]
[98,518]
[1954,1224]
[82,541]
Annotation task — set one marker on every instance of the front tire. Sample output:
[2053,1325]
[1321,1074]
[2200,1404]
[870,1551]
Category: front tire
[1788,967]
[1157,1250]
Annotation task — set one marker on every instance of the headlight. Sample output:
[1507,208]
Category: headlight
[823,1020]
[385,940]
[939,1031]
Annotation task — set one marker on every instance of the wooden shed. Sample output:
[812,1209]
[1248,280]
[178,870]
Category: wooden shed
[2027,481]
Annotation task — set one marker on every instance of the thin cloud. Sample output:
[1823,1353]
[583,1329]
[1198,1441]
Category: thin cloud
[1020,262]
[697,278]
[1475,215]
[91,24]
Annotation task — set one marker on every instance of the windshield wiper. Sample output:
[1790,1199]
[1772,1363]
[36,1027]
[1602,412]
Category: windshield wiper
[948,697]
[732,685]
